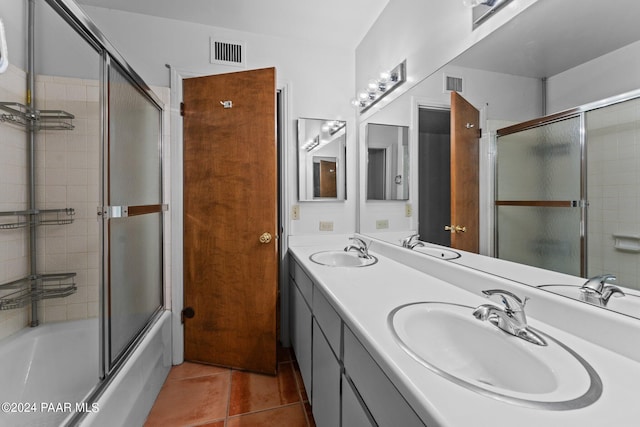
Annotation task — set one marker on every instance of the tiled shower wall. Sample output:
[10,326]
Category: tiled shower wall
[67,176]
[14,262]
[613,185]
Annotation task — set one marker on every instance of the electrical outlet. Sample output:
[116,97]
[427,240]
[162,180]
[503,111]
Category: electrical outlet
[326,225]
[295,212]
[408,210]
[382,223]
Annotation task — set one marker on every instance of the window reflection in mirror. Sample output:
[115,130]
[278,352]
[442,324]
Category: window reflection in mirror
[321,159]
[387,162]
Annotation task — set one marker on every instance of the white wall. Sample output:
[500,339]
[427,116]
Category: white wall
[318,80]
[427,34]
[612,74]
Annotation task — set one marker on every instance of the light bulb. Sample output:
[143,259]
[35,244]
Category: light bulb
[472,3]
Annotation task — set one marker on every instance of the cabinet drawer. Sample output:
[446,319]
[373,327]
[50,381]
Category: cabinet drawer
[328,320]
[353,413]
[302,280]
[325,396]
[383,400]
[301,334]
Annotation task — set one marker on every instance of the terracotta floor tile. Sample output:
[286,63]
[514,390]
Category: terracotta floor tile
[191,401]
[190,370]
[254,392]
[213,424]
[289,416]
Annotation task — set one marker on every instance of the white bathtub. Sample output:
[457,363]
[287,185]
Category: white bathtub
[53,363]
[45,371]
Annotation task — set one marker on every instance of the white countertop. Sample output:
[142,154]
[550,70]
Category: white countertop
[365,296]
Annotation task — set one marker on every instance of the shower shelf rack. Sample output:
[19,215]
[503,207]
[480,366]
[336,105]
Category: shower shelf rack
[34,288]
[20,114]
[43,217]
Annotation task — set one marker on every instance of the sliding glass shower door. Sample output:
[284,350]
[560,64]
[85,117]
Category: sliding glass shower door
[540,194]
[132,212]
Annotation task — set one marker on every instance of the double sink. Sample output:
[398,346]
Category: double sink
[487,357]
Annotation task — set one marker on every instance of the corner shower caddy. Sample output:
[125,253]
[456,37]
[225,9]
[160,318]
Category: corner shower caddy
[35,286]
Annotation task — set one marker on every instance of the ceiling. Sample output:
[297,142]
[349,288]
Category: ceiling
[554,36]
[331,22]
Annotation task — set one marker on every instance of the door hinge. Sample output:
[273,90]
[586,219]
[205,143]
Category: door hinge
[187,313]
[182,109]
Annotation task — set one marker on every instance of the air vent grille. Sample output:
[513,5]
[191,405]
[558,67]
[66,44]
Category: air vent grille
[452,84]
[228,52]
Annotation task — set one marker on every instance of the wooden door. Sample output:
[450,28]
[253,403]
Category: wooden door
[230,219]
[465,189]
[328,182]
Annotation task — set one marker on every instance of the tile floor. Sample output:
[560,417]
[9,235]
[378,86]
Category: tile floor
[211,396]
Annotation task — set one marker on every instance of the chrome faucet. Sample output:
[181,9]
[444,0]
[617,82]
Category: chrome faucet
[412,241]
[597,291]
[510,318]
[360,246]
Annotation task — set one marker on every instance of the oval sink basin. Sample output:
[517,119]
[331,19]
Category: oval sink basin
[342,259]
[437,252]
[448,340]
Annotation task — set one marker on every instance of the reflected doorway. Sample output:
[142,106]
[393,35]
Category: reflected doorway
[434,174]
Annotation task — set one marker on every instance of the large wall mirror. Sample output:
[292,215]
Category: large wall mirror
[533,67]
[321,159]
[387,162]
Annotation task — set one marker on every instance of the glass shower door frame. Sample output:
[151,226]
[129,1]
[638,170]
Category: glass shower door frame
[108,363]
[581,203]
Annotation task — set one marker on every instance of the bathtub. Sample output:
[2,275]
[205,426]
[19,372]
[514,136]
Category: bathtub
[47,370]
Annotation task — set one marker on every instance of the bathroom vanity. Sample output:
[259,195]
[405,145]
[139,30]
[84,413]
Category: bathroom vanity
[352,329]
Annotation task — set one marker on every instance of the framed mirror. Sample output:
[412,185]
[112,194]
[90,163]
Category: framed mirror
[387,162]
[322,160]
[523,72]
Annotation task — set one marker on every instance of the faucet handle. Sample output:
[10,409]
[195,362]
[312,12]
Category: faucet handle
[597,283]
[510,300]
[611,290]
[409,239]
[360,242]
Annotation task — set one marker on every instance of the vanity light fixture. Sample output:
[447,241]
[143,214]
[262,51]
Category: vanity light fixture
[378,88]
[474,3]
[483,9]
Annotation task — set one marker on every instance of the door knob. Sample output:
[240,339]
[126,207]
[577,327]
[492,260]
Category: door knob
[455,228]
[265,238]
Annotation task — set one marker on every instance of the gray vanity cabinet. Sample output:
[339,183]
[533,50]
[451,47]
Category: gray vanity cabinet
[383,400]
[325,402]
[353,412]
[301,322]
[345,385]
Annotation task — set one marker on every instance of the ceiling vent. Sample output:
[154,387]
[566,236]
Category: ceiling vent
[228,52]
[452,84]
